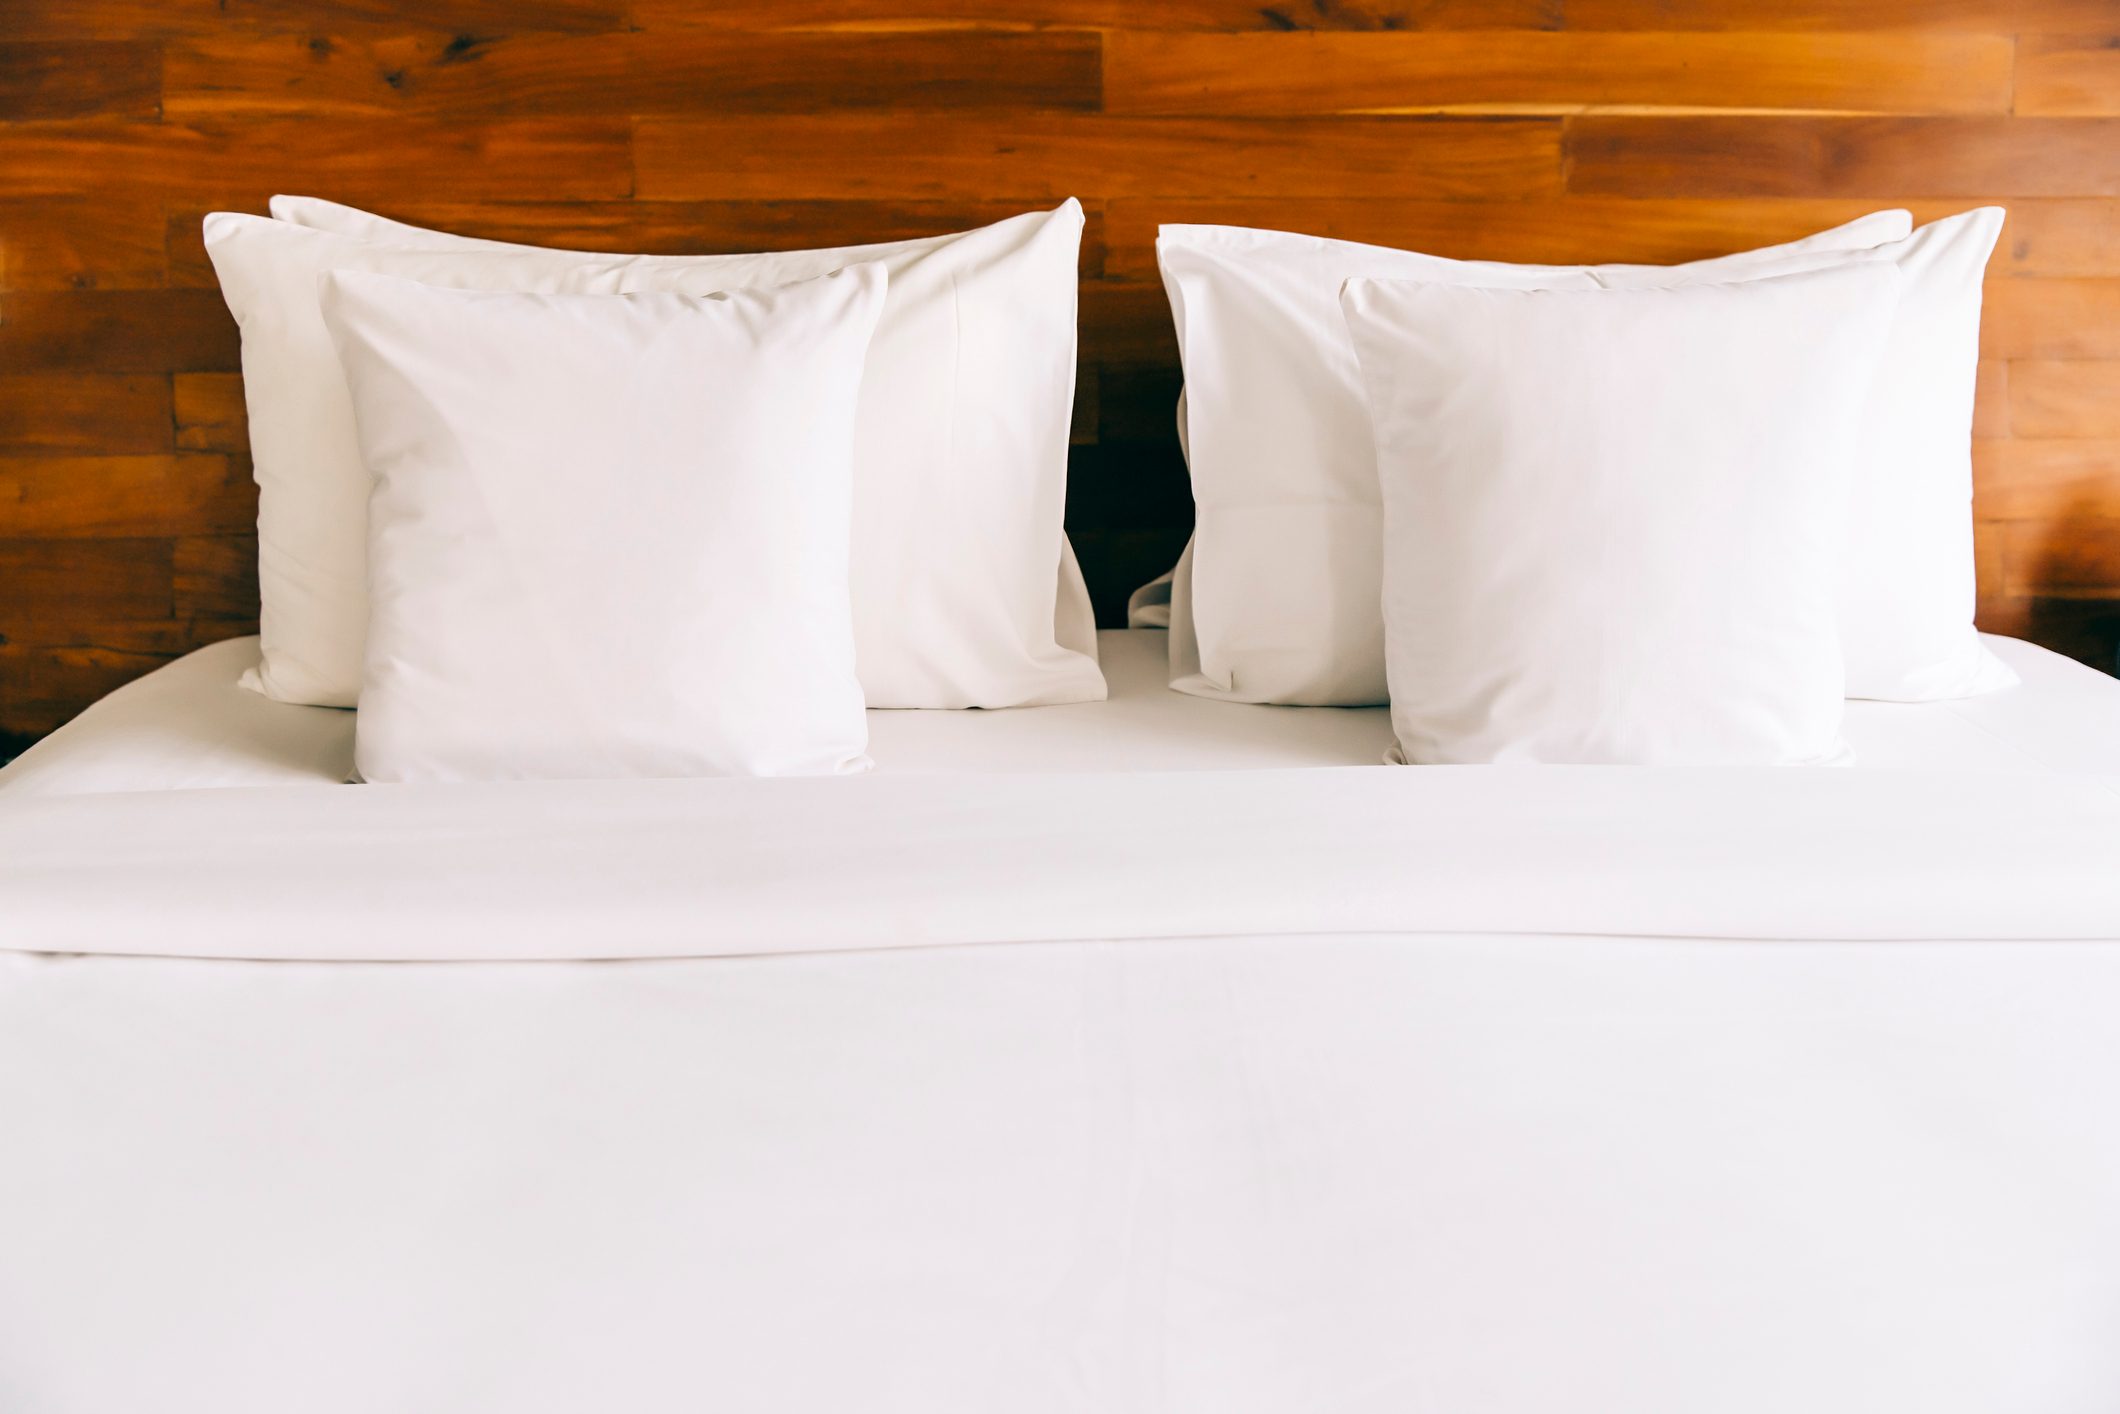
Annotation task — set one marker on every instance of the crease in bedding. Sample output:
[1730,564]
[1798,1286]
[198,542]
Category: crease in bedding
[550,870]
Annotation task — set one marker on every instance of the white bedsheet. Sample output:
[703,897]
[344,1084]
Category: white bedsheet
[1204,1091]
[710,868]
[189,726]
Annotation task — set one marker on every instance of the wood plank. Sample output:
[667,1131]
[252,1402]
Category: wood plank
[209,412]
[1557,230]
[118,331]
[1250,74]
[134,19]
[1043,158]
[106,496]
[470,75]
[514,159]
[106,242]
[56,581]
[2069,74]
[2050,398]
[2047,236]
[83,412]
[2077,557]
[1991,399]
[1988,537]
[89,660]
[43,688]
[1781,156]
[1985,16]
[2024,479]
[79,78]
[662,15]
[216,578]
[2044,319]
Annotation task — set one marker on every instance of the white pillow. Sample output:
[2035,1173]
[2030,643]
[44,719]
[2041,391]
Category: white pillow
[609,533]
[965,592]
[1908,590]
[1276,599]
[1613,519]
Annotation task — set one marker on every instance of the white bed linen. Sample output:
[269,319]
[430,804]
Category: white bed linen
[188,726]
[735,866]
[1363,1175]
[1349,1096]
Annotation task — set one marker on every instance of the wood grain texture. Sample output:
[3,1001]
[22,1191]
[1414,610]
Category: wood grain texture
[2047,236]
[42,580]
[1527,130]
[209,413]
[74,79]
[1975,16]
[80,243]
[2045,319]
[468,75]
[216,578]
[2068,74]
[60,413]
[117,331]
[2072,557]
[1041,158]
[2024,479]
[1991,400]
[1108,15]
[132,19]
[1722,155]
[94,497]
[505,160]
[1251,74]
[2055,398]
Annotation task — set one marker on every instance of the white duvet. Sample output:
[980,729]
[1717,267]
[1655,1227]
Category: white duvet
[1238,1092]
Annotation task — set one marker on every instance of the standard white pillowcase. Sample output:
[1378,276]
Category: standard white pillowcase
[965,592]
[609,533]
[1613,519]
[1908,588]
[1277,597]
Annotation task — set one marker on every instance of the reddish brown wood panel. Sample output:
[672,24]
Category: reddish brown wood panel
[1570,130]
[1147,72]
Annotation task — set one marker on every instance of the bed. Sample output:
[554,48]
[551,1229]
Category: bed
[1153,1054]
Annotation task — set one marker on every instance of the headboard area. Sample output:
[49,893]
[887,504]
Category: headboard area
[1558,130]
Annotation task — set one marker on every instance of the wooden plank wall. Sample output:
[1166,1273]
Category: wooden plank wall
[1513,129]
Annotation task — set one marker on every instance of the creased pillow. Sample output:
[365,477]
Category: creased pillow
[965,592]
[609,533]
[1613,520]
[1276,598]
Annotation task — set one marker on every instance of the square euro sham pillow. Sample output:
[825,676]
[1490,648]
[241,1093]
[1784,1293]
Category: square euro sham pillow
[965,593]
[1908,589]
[1613,519]
[609,533]
[1276,599]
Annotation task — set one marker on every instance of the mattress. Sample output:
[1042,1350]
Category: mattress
[188,726]
[1156,1055]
